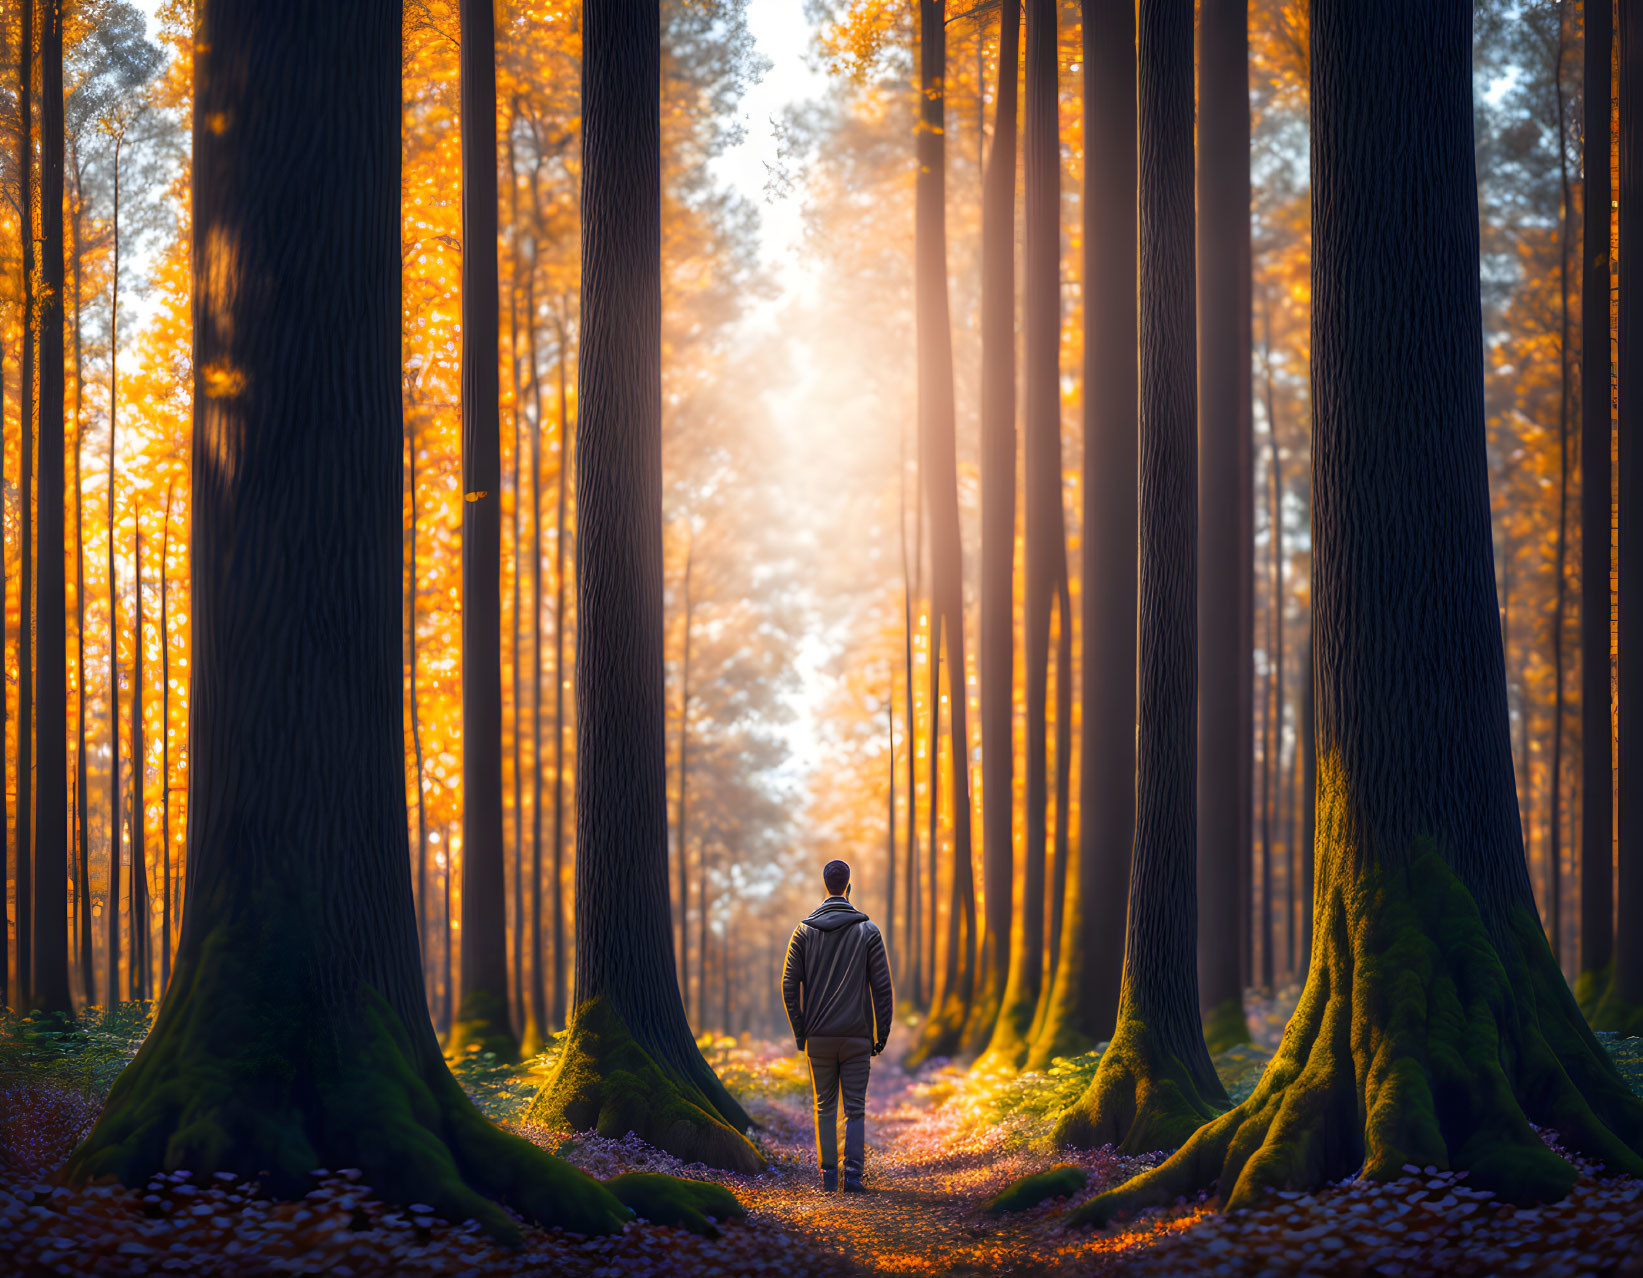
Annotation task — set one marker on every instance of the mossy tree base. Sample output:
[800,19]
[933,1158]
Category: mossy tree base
[1143,1097]
[1029,1191]
[1226,1026]
[942,1033]
[481,1024]
[604,1081]
[1616,1014]
[1418,1040]
[670,1200]
[242,1074]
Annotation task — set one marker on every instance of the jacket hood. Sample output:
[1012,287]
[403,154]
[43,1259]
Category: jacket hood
[833,913]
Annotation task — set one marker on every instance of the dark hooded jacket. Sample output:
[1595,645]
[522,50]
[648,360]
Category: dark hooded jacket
[836,983]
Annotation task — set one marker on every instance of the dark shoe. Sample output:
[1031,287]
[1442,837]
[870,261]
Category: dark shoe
[853,1186]
[830,1182]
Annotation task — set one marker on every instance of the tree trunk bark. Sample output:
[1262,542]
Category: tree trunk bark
[1272,767]
[50,969]
[565,441]
[139,807]
[1596,726]
[950,1002]
[998,519]
[82,892]
[165,751]
[528,1031]
[629,1062]
[912,966]
[1091,955]
[539,985]
[294,1034]
[1435,1026]
[1622,1007]
[1224,425]
[23,843]
[1156,1083]
[482,1010]
[680,827]
[1046,549]
[112,957]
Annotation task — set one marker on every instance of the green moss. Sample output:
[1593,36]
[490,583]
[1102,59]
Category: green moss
[1226,1026]
[481,1025]
[605,1081]
[1029,1191]
[1591,986]
[942,1032]
[670,1200]
[1617,1016]
[1419,1039]
[1141,1098]
[240,1076]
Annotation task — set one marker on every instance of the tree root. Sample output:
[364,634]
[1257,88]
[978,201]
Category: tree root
[669,1200]
[240,1076]
[1418,1041]
[605,1081]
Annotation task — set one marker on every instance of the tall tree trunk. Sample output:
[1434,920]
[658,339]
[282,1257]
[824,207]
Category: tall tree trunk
[565,439]
[998,481]
[539,987]
[1223,441]
[1272,766]
[1428,946]
[1156,1083]
[1091,955]
[629,1062]
[1045,555]
[912,965]
[82,891]
[950,1002]
[139,977]
[1596,726]
[165,749]
[422,910]
[681,829]
[28,191]
[50,969]
[522,1009]
[295,1034]
[482,1010]
[890,817]
[1560,584]
[112,957]
[1309,793]
[1622,1006]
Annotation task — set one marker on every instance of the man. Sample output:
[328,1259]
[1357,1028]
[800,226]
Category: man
[836,985]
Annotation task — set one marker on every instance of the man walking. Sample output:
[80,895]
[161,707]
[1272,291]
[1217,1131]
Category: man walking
[836,985]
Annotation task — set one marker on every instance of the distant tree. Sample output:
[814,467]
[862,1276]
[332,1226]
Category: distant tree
[1596,506]
[116,126]
[1622,1006]
[1156,1082]
[943,1028]
[140,912]
[1427,945]
[998,518]
[294,1034]
[166,937]
[27,195]
[482,1008]
[628,1062]
[1090,962]
[1223,450]
[565,478]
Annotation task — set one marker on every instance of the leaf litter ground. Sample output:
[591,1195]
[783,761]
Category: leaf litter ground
[941,1143]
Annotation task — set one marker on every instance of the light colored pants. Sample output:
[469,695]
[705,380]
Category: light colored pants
[836,1062]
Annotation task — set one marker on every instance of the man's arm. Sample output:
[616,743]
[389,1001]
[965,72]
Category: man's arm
[884,998]
[792,979]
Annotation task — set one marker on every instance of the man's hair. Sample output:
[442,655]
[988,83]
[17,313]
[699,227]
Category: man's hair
[836,875]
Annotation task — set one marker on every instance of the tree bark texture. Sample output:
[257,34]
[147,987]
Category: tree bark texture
[294,1034]
[50,969]
[1622,1006]
[482,1010]
[998,519]
[112,957]
[943,1028]
[565,477]
[1156,1082]
[629,1062]
[27,191]
[1435,1026]
[1092,938]
[1224,424]
[1596,726]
